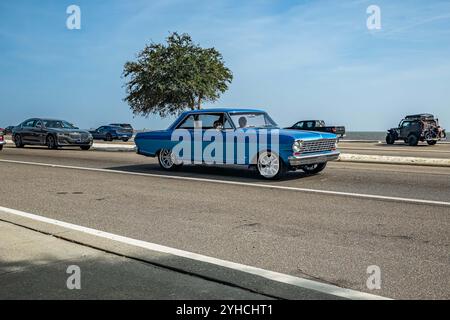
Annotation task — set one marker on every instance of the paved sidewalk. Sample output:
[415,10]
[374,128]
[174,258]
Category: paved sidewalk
[34,265]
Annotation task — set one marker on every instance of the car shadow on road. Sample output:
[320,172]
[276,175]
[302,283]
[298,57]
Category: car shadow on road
[234,173]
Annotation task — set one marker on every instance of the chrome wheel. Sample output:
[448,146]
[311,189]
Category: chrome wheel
[167,159]
[268,165]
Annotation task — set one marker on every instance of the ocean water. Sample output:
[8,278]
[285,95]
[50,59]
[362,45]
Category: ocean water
[365,135]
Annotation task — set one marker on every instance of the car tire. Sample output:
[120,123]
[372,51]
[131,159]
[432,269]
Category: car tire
[166,160]
[413,140]
[431,142]
[1,147]
[85,148]
[109,137]
[125,140]
[270,166]
[51,142]
[314,168]
[18,141]
[390,139]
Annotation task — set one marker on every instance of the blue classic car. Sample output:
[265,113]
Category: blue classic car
[237,137]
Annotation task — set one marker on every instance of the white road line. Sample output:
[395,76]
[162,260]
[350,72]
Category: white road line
[271,275]
[237,183]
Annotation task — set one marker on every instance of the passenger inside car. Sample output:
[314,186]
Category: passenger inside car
[242,122]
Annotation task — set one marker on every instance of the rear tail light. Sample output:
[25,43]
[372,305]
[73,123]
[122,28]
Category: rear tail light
[333,130]
[1,138]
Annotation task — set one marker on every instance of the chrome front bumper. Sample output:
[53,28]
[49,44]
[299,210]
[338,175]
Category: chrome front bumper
[2,142]
[68,141]
[296,161]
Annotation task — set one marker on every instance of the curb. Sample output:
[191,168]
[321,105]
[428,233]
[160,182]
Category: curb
[113,147]
[104,147]
[414,161]
[359,141]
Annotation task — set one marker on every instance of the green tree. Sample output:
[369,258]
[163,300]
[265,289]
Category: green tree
[169,78]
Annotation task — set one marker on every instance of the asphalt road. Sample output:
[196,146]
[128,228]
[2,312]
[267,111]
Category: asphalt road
[326,237]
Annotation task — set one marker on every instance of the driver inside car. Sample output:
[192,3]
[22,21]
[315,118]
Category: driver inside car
[242,122]
[217,124]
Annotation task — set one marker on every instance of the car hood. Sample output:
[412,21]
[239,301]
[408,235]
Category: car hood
[306,135]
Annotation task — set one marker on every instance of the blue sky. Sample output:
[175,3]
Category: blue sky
[295,59]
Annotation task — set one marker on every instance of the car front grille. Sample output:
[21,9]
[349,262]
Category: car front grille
[318,145]
[79,136]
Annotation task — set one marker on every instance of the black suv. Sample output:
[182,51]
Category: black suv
[415,128]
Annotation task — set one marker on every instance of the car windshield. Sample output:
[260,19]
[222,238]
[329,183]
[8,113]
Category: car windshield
[252,120]
[58,124]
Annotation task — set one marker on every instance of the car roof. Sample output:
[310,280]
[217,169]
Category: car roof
[46,119]
[229,110]
[422,116]
[43,119]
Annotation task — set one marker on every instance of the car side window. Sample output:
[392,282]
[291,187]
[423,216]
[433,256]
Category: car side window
[207,121]
[38,124]
[28,124]
[406,124]
[299,124]
[188,123]
[310,125]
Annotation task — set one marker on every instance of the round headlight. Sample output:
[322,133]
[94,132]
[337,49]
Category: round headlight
[297,146]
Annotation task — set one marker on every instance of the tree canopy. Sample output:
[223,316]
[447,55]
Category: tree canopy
[172,77]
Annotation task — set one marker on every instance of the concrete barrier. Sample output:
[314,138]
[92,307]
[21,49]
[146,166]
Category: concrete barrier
[359,141]
[114,147]
[416,161]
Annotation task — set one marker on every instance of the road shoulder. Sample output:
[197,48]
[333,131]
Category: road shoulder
[252,286]
[34,265]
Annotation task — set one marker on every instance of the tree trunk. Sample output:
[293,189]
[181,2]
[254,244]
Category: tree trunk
[199,105]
